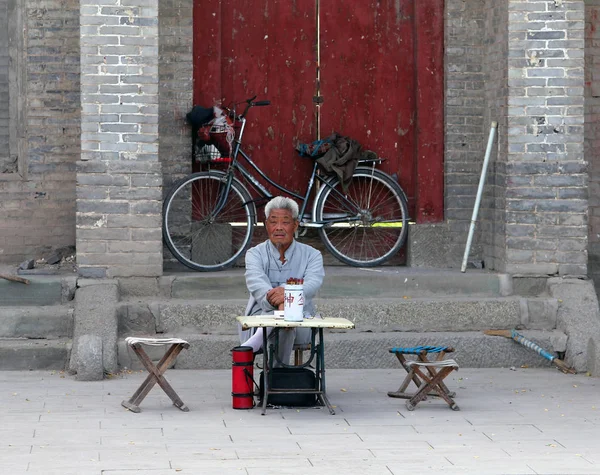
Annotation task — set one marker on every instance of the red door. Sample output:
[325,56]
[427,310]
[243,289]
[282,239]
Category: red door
[381,82]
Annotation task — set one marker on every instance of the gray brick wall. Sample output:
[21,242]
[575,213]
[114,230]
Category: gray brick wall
[533,216]
[175,88]
[465,107]
[119,179]
[493,215]
[546,178]
[37,205]
[592,132]
[518,62]
[7,164]
[175,95]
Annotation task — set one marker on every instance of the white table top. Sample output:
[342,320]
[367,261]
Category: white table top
[260,321]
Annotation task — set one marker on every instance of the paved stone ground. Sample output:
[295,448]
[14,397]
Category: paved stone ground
[522,421]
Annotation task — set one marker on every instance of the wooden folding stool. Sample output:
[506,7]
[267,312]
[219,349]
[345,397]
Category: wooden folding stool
[432,384]
[421,353]
[155,372]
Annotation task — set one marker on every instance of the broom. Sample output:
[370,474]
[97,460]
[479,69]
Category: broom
[531,345]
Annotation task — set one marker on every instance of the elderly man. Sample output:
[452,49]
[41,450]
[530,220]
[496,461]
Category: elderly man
[270,264]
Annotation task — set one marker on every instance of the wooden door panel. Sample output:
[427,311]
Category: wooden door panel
[368,79]
[429,154]
[267,51]
[381,80]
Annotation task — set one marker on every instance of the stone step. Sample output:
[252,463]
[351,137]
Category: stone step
[376,315]
[21,354]
[400,282]
[55,321]
[41,290]
[354,349]
[340,282]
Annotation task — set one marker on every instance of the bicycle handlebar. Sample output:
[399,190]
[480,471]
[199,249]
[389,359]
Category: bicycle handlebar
[250,103]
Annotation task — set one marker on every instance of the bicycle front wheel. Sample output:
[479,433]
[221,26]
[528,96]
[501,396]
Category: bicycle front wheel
[203,229]
[367,224]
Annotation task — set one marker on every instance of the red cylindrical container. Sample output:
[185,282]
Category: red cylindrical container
[242,374]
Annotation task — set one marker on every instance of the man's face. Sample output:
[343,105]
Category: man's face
[281,227]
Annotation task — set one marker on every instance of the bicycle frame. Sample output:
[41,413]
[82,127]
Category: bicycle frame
[351,217]
[266,194]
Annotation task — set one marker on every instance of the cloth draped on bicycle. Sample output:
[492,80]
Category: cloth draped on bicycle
[337,154]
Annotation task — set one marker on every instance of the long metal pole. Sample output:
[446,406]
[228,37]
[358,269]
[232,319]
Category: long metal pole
[486,160]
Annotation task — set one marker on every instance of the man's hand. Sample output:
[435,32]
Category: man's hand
[275,297]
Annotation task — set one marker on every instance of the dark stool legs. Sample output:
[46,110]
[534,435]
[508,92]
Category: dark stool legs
[433,385]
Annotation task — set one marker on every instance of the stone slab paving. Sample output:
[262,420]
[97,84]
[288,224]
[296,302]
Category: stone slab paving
[519,421]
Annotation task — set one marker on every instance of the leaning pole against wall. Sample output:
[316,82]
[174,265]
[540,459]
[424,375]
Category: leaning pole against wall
[486,160]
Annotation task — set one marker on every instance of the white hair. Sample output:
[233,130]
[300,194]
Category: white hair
[281,202]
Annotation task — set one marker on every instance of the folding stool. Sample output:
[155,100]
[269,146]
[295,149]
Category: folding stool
[156,372]
[432,384]
[418,378]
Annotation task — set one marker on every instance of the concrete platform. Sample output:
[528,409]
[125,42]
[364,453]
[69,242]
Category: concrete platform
[366,350]
[526,421]
[53,321]
[339,282]
[390,306]
[41,291]
[34,354]
[381,314]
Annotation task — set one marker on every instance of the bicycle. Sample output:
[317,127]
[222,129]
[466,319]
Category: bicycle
[209,216]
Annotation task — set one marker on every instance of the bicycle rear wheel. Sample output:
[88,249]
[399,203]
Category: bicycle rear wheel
[199,236]
[366,224]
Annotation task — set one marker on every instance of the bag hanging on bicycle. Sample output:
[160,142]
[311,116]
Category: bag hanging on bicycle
[200,116]
[200,119]
[213,135]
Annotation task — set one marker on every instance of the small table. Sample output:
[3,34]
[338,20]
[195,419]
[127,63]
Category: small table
[317,350]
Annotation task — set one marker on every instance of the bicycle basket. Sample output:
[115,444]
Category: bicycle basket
[214,140]
[221,137]
[206,152]
[211,145]
[204,133]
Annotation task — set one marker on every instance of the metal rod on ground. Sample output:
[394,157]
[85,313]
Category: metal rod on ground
[516,336]
[486,160]
[540,351]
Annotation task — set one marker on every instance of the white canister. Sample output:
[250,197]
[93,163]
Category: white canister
[293,303]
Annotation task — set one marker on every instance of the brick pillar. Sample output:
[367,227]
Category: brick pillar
[119,178]
[592,132]
[546,177]
[465,128]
